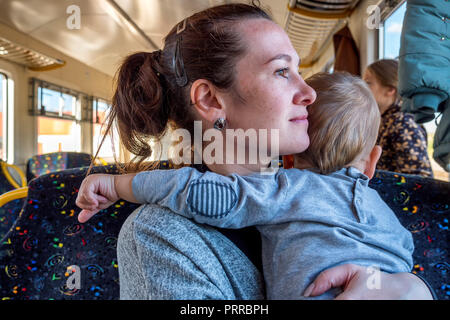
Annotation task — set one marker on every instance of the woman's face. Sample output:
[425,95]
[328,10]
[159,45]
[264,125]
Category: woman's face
[275,95]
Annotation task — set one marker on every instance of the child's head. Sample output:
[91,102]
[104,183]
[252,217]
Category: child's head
[343,122]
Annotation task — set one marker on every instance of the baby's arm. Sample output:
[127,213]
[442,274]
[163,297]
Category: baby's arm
[224,201]
[99,191]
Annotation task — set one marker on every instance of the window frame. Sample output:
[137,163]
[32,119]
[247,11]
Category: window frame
[7,133]
[387,12]
[82,107]
[82,101]
[94,121]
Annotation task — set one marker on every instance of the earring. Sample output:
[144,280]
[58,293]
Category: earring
[220,124]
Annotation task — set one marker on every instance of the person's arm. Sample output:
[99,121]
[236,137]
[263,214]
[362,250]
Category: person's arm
[354,280]
[224,201]
[99,191]
[424,57]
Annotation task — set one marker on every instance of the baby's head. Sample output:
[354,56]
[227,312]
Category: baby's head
[343,124]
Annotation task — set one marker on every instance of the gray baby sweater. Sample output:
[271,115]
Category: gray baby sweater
[308,222]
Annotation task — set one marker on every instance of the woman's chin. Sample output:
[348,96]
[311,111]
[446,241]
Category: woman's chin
[299,147]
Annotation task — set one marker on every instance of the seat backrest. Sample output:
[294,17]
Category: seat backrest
[8,216]
[5,185]
[47,239]
[56,161]
[10,211]
[422,205]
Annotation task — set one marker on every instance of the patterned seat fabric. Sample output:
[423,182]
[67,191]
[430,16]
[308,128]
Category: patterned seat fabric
[422,205]
[8,216]
[37,255]
[10,211]
[51,162]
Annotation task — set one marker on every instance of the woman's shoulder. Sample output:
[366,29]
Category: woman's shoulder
[163,234]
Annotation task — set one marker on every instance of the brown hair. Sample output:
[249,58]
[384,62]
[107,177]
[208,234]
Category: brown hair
[343,121]
[386,72]
[153,89]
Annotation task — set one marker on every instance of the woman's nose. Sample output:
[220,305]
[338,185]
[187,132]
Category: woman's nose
[305,96]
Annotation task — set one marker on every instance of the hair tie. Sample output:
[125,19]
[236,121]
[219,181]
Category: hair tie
[157,55]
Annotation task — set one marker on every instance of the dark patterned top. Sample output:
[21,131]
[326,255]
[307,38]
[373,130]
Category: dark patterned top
[404,144]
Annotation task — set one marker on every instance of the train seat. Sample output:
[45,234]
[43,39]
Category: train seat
[11,178]
[56,161]
[47,246]
[422,205]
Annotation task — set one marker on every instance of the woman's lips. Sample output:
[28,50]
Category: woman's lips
[300,119]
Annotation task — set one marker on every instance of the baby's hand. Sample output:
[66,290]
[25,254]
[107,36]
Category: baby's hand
[97,192]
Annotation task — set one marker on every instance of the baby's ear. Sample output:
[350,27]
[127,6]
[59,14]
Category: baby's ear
[371,161]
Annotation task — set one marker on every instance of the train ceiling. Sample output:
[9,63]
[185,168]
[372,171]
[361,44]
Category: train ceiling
[111,29]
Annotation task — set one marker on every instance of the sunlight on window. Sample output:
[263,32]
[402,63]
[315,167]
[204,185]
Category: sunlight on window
[55,135]
[58,103]
[101,109]
[392,32]
[2,106]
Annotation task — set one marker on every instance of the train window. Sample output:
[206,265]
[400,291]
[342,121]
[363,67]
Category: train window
[6,125]
[58,112]
[54,101]
[100,109]
[3,104]
[57,103]
[58,135]
[391,33]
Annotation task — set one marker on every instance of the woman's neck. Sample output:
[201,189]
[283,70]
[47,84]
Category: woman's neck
[240,169]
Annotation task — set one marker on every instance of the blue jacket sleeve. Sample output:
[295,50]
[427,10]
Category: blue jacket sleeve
[224,201]
[424,61]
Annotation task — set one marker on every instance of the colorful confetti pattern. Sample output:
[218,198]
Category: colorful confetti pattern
[11,210]
[47,245]
[52,162]
[423,207]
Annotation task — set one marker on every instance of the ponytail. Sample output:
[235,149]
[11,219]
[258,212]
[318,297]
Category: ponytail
[138,108]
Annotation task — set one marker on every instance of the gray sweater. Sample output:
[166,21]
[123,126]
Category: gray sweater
[308,222]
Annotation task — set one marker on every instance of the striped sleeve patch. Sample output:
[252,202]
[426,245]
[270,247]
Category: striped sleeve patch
[211,199]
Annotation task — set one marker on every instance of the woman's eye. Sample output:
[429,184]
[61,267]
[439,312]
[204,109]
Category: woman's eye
[283,72]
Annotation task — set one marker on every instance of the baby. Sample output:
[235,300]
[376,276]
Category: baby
[328,214]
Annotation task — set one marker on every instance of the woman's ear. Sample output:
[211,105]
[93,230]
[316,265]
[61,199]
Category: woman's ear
[205,100]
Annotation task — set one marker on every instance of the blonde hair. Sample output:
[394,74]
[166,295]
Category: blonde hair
[343,121]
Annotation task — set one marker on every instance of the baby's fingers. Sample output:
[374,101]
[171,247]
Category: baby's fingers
[85,215]
[85,201]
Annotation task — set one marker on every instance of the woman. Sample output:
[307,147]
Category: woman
[404,143]
[229,67]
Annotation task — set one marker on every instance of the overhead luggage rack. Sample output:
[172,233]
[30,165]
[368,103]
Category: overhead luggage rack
[32,59]
[311,25]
